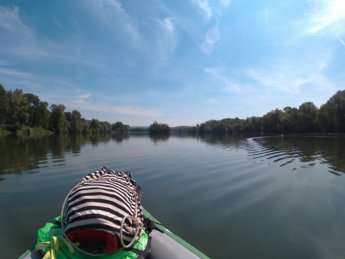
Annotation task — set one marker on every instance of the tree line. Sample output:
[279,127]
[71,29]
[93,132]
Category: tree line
[307,118]
[20,110]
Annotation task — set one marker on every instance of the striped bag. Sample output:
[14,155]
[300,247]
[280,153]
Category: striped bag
[103,207]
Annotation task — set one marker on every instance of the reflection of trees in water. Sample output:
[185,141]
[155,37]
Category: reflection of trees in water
[217,140]
[225,141]
[95,139]
[328,150]
[119,137]
[156,138]
[105,138]
[19,154]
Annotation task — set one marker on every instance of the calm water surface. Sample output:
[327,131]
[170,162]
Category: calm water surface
[269,197]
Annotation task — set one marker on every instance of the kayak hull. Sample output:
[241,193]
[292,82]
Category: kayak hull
[164,244]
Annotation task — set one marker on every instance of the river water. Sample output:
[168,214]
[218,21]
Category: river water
[267,197]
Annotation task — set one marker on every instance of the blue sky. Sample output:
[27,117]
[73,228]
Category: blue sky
[176,62]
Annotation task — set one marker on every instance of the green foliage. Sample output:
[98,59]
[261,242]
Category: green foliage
[306,119]
[252,125]
[94,126]
[75,122]
[292,120]
[38,112]
[4,132]
[159,128]
[33,132]
[138,129]
[120,128]
[3,105]
[274,122]
[17,110]
[224,126]
[104,127]
[25,114]
[58,121]
[307,113]
[331,117]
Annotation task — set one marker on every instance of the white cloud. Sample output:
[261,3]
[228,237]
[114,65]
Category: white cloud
[168,32]
[283,80]
[211,38]
[11,21]
[82,98]
[156,44]
[75,99]
[327,15]
[136,111]
[117,110]
[168,25]
[112,13]
[10,72]
[20,42]
[211,10]
[217,73]
[341,40]
[225,3]
[58,23]
[293,78]
[204,6]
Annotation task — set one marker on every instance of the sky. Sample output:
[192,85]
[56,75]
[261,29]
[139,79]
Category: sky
[177,62]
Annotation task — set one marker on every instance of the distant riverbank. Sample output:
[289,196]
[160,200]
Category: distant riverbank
[25,114]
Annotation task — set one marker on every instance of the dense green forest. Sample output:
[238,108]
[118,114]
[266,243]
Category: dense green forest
[330,118]
[24,113]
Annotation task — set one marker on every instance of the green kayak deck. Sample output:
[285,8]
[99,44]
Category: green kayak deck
[164,244]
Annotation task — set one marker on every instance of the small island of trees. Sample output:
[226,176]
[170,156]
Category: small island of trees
[159,129]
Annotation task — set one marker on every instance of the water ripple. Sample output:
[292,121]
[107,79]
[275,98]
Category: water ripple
[296,152]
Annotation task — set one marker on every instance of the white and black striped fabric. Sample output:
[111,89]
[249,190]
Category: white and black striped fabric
[101,201]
